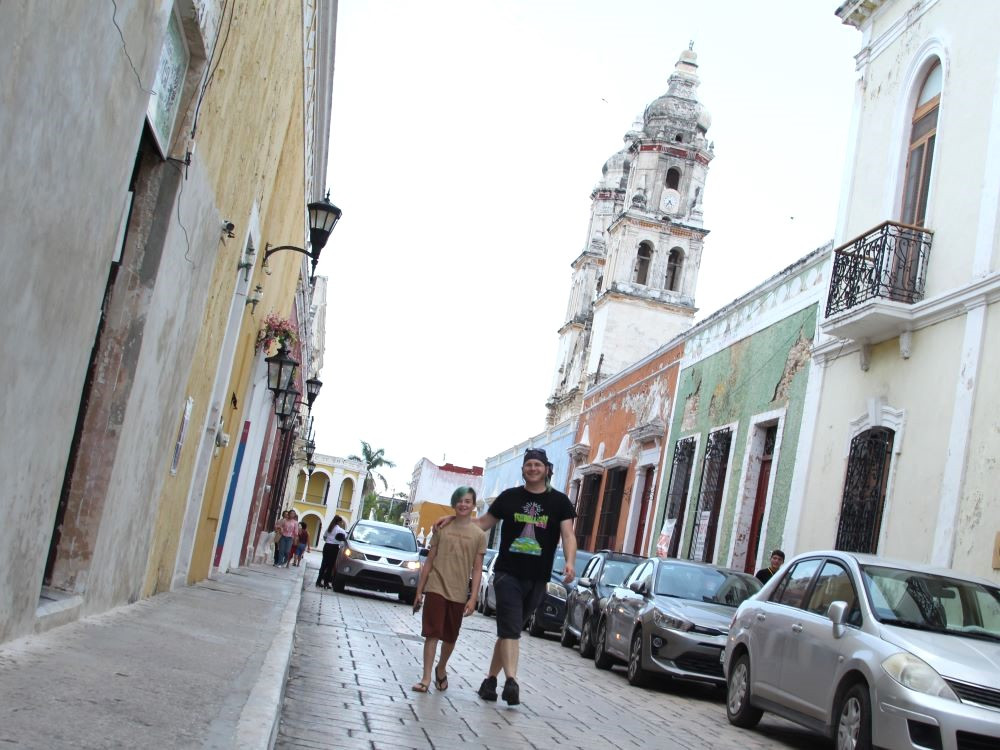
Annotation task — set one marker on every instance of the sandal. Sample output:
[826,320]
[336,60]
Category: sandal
[440,683]
[421,687]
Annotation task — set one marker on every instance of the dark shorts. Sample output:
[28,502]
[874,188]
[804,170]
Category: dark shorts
[517,598]
[300,550]
[442,618]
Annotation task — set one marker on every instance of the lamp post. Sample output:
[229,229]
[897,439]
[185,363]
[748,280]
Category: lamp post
[312,390]
[323,217]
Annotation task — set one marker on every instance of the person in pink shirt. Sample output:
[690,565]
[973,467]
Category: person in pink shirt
[289,530]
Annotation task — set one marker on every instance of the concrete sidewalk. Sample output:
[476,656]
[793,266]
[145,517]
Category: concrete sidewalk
[199,667]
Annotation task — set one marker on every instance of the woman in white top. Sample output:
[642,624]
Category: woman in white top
[335,534]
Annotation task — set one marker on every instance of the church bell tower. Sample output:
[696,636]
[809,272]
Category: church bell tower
[634,282]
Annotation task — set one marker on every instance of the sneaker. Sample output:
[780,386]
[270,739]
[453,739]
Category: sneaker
[488,690]
[511,693]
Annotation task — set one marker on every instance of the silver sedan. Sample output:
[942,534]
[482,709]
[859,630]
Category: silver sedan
[871,653]
[671,617]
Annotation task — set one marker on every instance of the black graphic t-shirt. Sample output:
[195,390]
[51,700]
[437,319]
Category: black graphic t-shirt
[530,531]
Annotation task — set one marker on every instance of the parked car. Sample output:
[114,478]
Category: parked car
[870,652]
[551,610]
[586,601]
[380,557]
[485,604]
[670,617]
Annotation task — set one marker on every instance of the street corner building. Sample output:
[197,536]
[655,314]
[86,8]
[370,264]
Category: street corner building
[333,487]
[150,165]
[907,422]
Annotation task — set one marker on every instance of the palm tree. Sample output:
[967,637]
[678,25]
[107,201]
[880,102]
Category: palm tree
[373,461]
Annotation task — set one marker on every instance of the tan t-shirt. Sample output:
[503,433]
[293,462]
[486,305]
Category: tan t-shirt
[457,547]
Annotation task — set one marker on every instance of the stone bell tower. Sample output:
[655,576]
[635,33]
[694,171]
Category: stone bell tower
[633,285]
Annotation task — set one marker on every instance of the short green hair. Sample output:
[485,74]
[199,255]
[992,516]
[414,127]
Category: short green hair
[461,492]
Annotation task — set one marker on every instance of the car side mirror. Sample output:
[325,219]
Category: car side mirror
[424,552]
[837,612]
[638,587]
[585,583]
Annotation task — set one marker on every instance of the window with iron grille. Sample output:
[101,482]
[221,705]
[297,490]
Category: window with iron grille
[864,490]
[607,529]
[677,490]
[586,509]
[713,481]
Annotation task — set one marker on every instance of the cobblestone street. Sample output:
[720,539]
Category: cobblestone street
[356,655]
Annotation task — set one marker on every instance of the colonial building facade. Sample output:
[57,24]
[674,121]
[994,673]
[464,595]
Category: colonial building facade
[131,474]
[906,430]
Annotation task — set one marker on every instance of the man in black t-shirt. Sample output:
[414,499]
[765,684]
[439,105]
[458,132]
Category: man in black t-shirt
[535,518]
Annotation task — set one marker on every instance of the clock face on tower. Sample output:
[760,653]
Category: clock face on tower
[670,201]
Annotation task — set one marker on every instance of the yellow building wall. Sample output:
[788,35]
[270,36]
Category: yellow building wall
[251,141]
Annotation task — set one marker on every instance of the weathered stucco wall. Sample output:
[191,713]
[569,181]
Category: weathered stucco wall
[61,160]
[252,141]
[763,373]
[922,388]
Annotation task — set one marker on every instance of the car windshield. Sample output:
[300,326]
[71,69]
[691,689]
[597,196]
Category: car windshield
[705,584]
[615,571]
[925,601]
[559,561]
[399,538]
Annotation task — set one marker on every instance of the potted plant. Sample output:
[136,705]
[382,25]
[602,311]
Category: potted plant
[275,329]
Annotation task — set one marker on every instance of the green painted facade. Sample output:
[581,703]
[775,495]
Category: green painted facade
[764,372]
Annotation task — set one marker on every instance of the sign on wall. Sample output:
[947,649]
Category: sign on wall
[168,85]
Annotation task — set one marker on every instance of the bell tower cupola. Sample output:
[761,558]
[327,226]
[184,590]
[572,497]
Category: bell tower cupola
[634,283]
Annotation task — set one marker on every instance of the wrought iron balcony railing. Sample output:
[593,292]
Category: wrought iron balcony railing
[887,262]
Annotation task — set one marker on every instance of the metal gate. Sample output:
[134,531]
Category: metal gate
[713,480]
[680,479]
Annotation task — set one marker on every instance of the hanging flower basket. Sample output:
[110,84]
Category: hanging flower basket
[275,330]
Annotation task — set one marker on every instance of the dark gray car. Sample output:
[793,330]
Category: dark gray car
[671,617]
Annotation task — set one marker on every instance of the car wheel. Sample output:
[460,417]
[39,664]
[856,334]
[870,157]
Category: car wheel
[637,676]
[566,638]
[738,708]
[338,584]
[587,638]
[854,720]
[602,659]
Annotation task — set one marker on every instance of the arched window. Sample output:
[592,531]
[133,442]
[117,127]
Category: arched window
[642,259]
[675,264]
[921,151]
[679,138]
[600,283]
[673,178]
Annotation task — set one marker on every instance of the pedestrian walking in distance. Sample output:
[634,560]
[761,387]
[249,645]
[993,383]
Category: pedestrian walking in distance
[456,555]
[302,543]
[777,560]
[535,516]
[335,534]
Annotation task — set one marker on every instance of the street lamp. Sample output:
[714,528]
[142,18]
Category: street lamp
[310,467]
[280,369]
[285,402]
[323,217]
[312,390]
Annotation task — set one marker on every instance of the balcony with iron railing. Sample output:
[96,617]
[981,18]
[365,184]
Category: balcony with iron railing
[876,279]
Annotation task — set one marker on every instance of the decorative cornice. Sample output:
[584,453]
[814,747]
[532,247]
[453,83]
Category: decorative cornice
[653,430]
[588,469]
[579,451]
[617,462]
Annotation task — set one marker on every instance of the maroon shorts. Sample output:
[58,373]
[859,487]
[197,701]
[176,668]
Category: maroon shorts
[442,618]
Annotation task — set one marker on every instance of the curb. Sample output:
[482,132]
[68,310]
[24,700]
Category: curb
[258,723]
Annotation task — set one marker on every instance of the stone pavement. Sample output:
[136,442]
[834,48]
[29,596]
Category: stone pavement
[357,654]
[200,667]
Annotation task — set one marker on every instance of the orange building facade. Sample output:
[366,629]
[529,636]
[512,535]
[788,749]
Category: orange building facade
[617,457]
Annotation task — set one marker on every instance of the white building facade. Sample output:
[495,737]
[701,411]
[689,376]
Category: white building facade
[906,408]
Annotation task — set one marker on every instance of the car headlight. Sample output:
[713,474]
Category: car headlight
[413,565]
[347,552]
[918,675]
[556,589]
[669,622]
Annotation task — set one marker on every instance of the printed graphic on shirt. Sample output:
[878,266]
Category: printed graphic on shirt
[530,516]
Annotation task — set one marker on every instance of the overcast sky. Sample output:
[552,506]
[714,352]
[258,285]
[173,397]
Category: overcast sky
[466,139]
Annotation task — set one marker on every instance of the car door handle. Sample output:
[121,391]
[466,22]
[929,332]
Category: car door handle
[761,617]
[796,628]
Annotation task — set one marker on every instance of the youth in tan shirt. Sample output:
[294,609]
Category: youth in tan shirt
[457,546]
